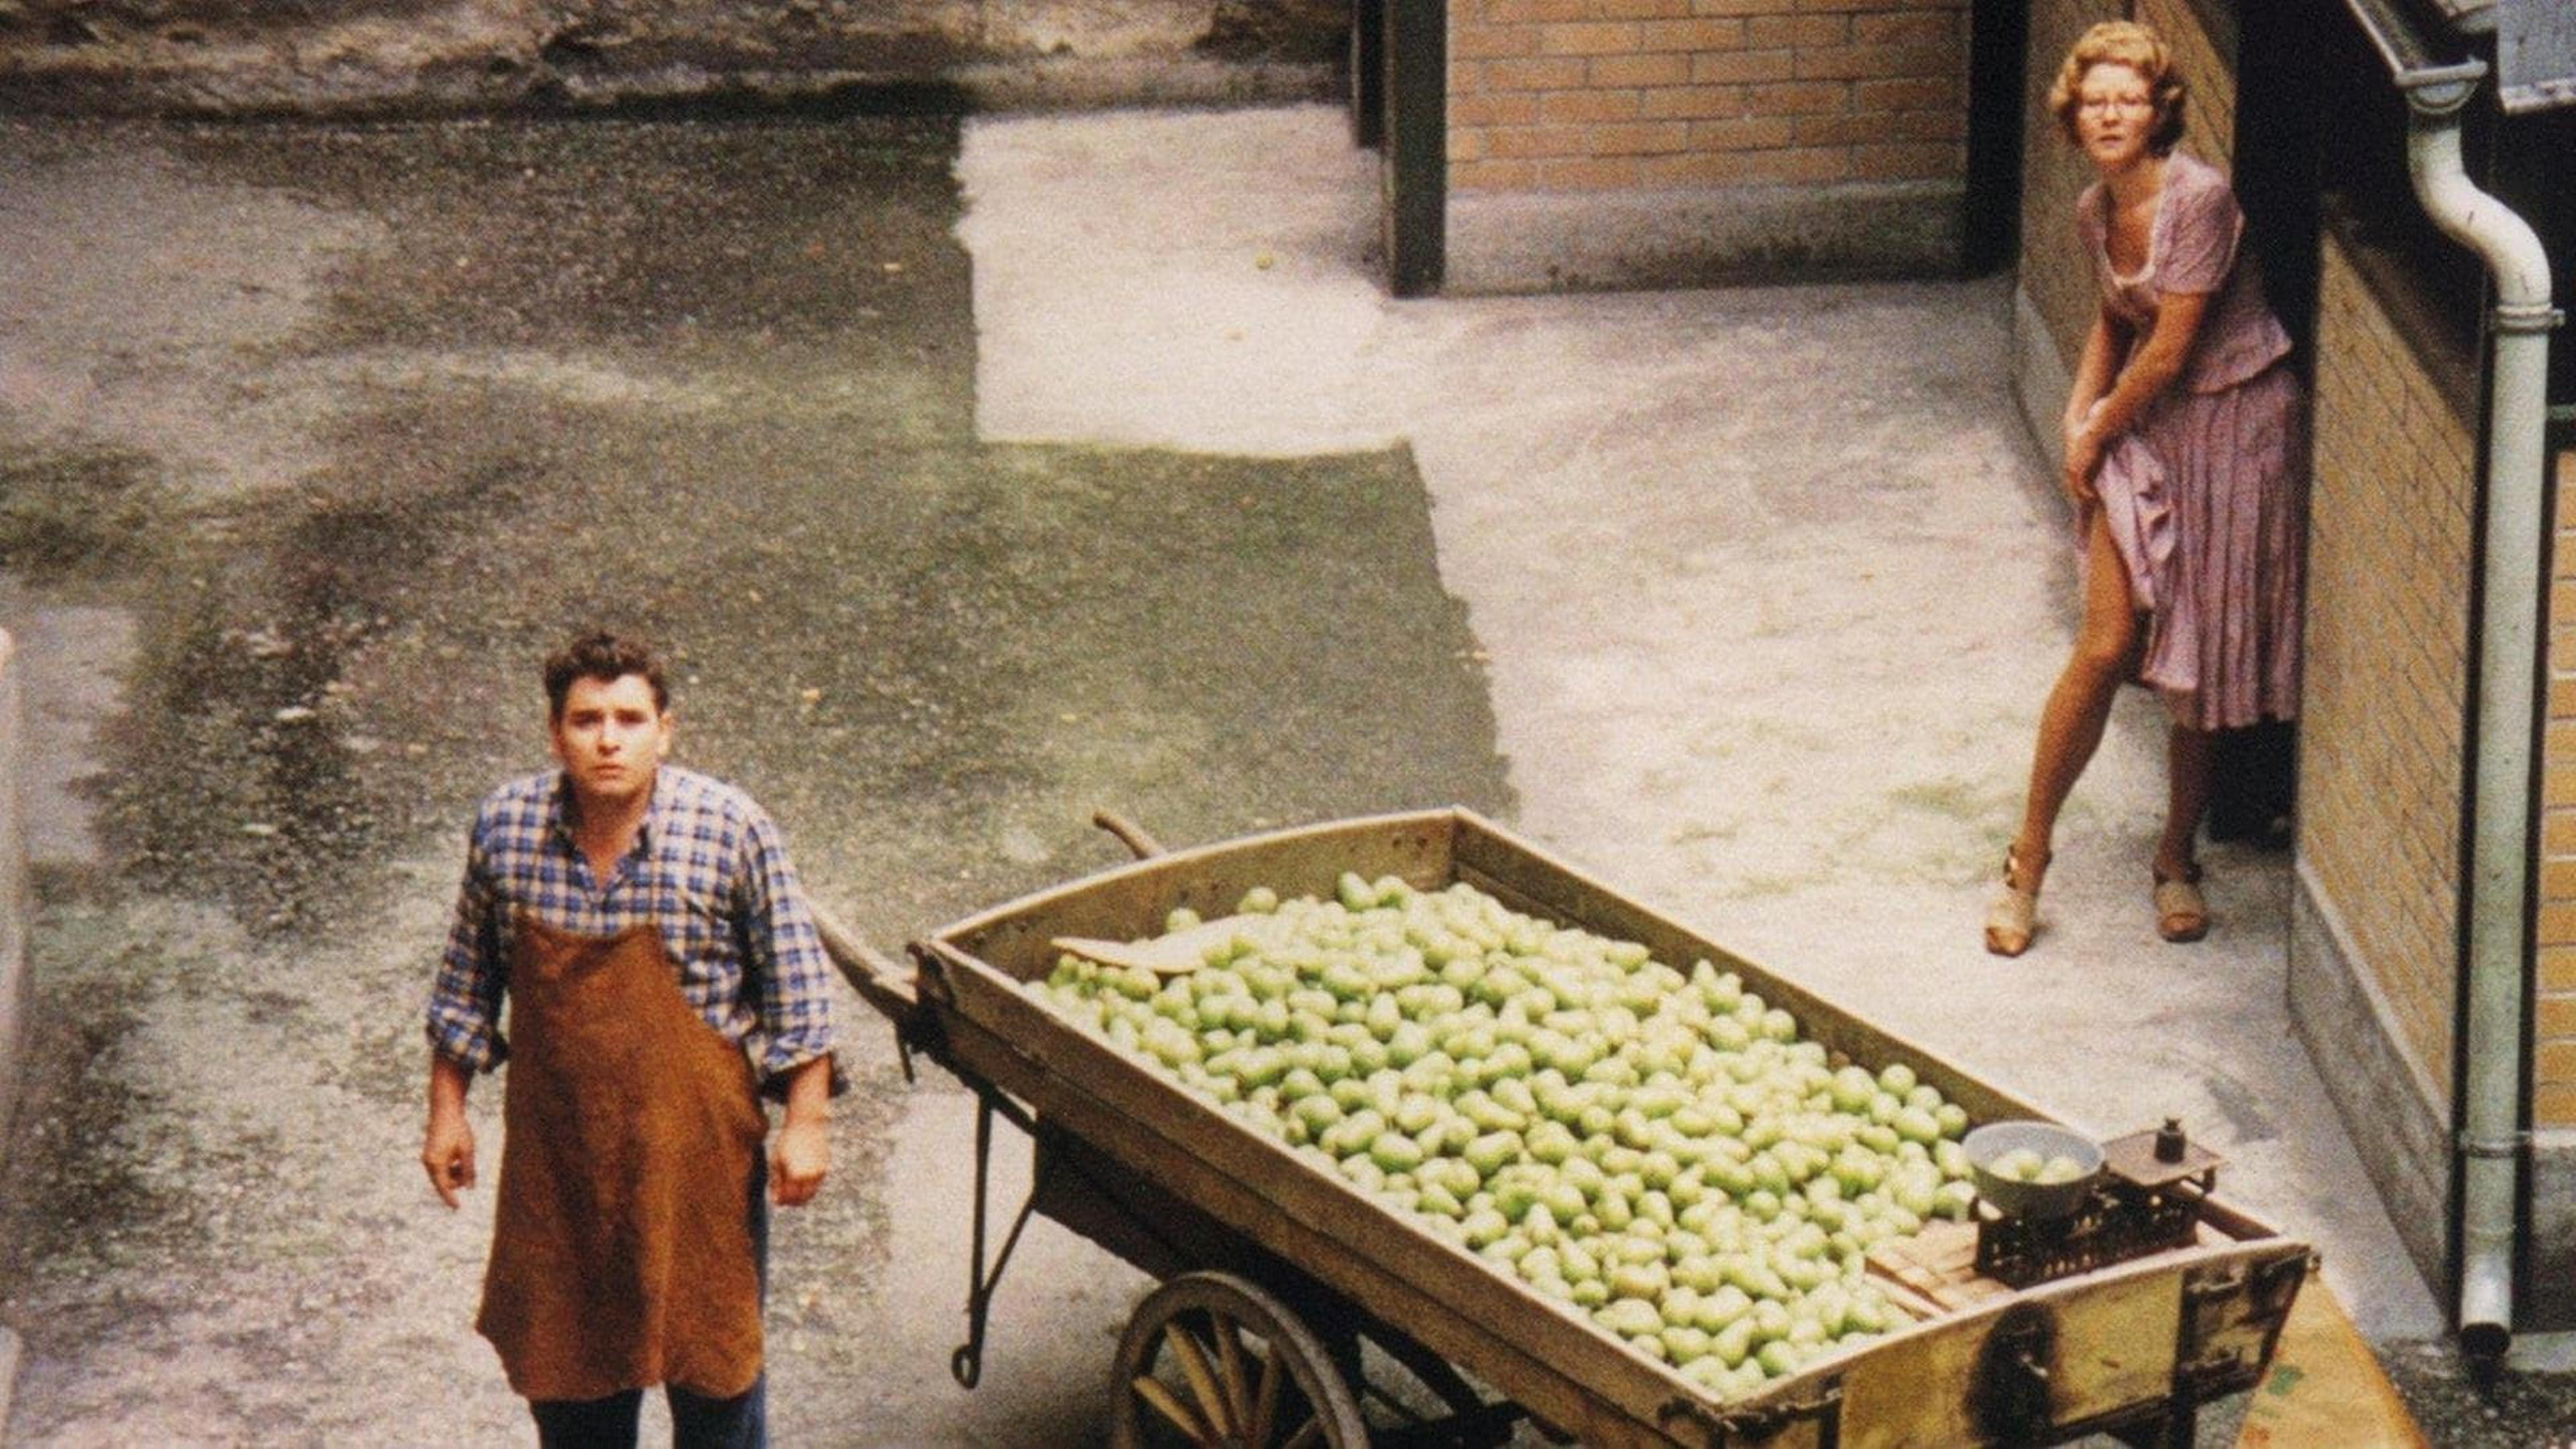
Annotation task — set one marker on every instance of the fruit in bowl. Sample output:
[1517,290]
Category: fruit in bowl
[2032,1169]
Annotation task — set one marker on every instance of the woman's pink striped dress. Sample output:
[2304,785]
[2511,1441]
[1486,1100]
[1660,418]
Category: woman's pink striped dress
[2206,494]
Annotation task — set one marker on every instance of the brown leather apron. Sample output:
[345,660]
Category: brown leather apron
[622,1253]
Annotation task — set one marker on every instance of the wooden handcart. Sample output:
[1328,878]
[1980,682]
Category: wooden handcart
[1295,1310]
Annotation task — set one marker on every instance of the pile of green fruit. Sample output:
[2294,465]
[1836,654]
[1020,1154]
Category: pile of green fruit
[1653,1146]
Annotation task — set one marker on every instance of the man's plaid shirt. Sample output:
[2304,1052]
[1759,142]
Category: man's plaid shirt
[709,870]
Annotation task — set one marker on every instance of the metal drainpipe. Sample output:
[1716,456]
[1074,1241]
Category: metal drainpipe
[2491,1139]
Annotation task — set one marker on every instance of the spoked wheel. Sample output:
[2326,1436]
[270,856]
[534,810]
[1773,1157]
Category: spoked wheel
[1210,1360]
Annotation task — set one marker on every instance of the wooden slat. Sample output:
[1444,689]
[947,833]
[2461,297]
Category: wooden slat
[1455,1306]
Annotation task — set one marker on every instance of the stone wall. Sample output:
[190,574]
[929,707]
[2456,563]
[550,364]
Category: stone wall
[225,57]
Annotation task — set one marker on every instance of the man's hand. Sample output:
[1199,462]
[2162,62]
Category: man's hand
[799,1157]
[801,1153]
[447,1147]
[447,1152]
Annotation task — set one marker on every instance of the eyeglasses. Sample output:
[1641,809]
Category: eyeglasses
[2115,103]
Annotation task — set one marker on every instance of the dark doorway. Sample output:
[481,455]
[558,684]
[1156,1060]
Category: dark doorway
[1999,31]
[2276,176]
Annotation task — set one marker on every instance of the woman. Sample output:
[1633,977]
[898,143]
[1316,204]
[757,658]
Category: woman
[2186,464]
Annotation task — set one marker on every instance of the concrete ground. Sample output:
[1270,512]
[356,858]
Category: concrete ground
[1771,583]
[1132,489]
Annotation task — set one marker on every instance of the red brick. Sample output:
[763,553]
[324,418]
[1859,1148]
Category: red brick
[1908,160]
[1912,93]
[1707,168]
[1466,145]
[2554,1061]
[1772,32]
[1499,108]
[1534,141]
[1563,106]
[1734,67]
[1493,175]
[2553,1105]
[1670,69]
[1853,62]
[1905,28]
[2558,880]
[2554,1016]
[1544,73]
[1589,173]
[1797,98]
[1637,138]
[1641,9]
[1742,133]
[1522,12]
[1738,7]
[2555,925]
[1865,130]
[1698,102]
[1490,42]
[1690,35]
[1598,37]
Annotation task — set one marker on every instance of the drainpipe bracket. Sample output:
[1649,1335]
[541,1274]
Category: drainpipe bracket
[2441,90]
[2510,1146]
[2526,317]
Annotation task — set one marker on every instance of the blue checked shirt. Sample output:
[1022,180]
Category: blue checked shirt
[709,870]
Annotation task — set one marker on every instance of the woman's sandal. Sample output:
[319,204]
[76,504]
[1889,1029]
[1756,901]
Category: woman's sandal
[2181,914]
[2013,915]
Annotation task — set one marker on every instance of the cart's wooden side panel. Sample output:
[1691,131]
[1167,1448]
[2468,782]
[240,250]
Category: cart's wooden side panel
[2116,1347]
[1460,1309]
[2115,1344]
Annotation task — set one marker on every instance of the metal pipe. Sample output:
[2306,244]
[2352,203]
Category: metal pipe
[2491,1140]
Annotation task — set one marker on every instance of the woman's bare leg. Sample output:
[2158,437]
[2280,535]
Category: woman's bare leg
[2187,758]
[2070,726]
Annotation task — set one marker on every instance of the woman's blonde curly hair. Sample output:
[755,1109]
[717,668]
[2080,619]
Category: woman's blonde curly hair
[2123,42]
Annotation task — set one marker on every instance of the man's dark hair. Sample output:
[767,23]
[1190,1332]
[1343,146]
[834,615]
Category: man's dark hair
[607,658]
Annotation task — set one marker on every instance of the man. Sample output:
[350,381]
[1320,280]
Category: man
[663,975]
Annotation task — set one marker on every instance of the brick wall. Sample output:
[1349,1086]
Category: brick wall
[1610,95]
[2387,629]
[2554,1024]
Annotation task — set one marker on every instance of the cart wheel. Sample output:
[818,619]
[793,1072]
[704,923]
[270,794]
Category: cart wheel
[1209,1359]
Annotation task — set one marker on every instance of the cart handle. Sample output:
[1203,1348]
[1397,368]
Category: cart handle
[884,983]
[1129,833]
